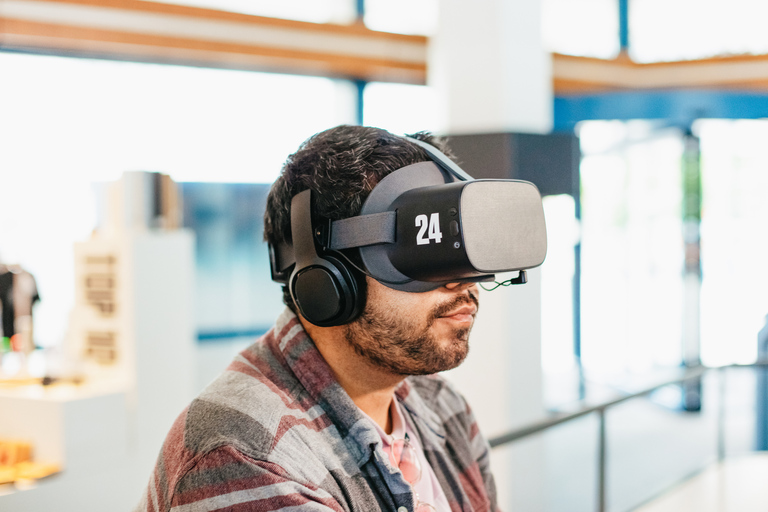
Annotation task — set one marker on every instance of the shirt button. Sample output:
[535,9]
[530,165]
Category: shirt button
[402,509]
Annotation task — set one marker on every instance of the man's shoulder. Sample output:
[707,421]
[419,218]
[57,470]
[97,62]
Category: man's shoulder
[255,399]
[255,413]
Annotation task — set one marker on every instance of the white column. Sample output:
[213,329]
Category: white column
[489,66]
[491,74]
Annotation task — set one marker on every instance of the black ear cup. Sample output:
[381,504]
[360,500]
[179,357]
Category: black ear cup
[326,292]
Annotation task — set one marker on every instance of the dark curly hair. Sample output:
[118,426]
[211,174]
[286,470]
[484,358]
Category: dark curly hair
[341,166]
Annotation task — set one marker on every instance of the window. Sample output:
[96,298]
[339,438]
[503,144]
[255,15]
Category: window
[557,355]
[317,11]
[587,28]
[734,302]
[402,16]
[70,122]
[665,30]
[401,108]
[632,247]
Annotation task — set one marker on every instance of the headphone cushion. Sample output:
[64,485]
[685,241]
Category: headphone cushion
[326,293]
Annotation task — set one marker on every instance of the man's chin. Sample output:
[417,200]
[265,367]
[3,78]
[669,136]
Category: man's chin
[449,355]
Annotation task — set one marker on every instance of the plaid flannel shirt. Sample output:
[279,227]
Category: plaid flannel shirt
[277,431]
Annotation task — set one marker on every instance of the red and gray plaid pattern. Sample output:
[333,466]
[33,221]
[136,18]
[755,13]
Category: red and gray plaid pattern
[276,431]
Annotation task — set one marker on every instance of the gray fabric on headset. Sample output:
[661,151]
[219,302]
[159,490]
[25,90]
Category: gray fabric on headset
[363,230]
[360,231]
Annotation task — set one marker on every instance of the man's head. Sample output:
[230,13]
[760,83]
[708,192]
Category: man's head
[400,332]
[341,166]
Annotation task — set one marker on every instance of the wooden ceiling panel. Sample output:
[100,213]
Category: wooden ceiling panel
[156,32]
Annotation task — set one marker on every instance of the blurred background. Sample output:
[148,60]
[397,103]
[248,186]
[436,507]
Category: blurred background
[641,121]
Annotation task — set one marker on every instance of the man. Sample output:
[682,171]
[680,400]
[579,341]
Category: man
[344,417]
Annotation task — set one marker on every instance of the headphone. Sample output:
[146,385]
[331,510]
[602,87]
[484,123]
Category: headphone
[326,291]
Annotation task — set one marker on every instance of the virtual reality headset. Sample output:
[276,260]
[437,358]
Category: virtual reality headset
[423,226]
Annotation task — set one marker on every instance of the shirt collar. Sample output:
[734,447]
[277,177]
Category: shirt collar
[398,424]
[306,362]
[423,412]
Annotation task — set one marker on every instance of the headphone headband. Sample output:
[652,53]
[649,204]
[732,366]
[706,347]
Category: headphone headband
[440,159]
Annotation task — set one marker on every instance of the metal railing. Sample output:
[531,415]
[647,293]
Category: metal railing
[558,419]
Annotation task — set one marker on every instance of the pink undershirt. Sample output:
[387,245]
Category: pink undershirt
[427,488]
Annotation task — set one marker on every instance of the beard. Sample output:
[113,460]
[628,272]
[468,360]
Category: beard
[395,341]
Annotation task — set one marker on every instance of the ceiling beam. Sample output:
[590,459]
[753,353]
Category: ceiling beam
[167,33]
[585,75]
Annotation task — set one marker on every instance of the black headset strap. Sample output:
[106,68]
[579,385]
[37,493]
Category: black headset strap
[301,229]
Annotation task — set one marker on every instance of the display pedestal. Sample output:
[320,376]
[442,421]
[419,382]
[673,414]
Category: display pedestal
[82,429]
[107,433]
[71,427]
[159,327]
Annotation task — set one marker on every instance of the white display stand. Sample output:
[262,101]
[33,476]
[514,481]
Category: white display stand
[107,433]
[160,333]
[82,429]
[52,420]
